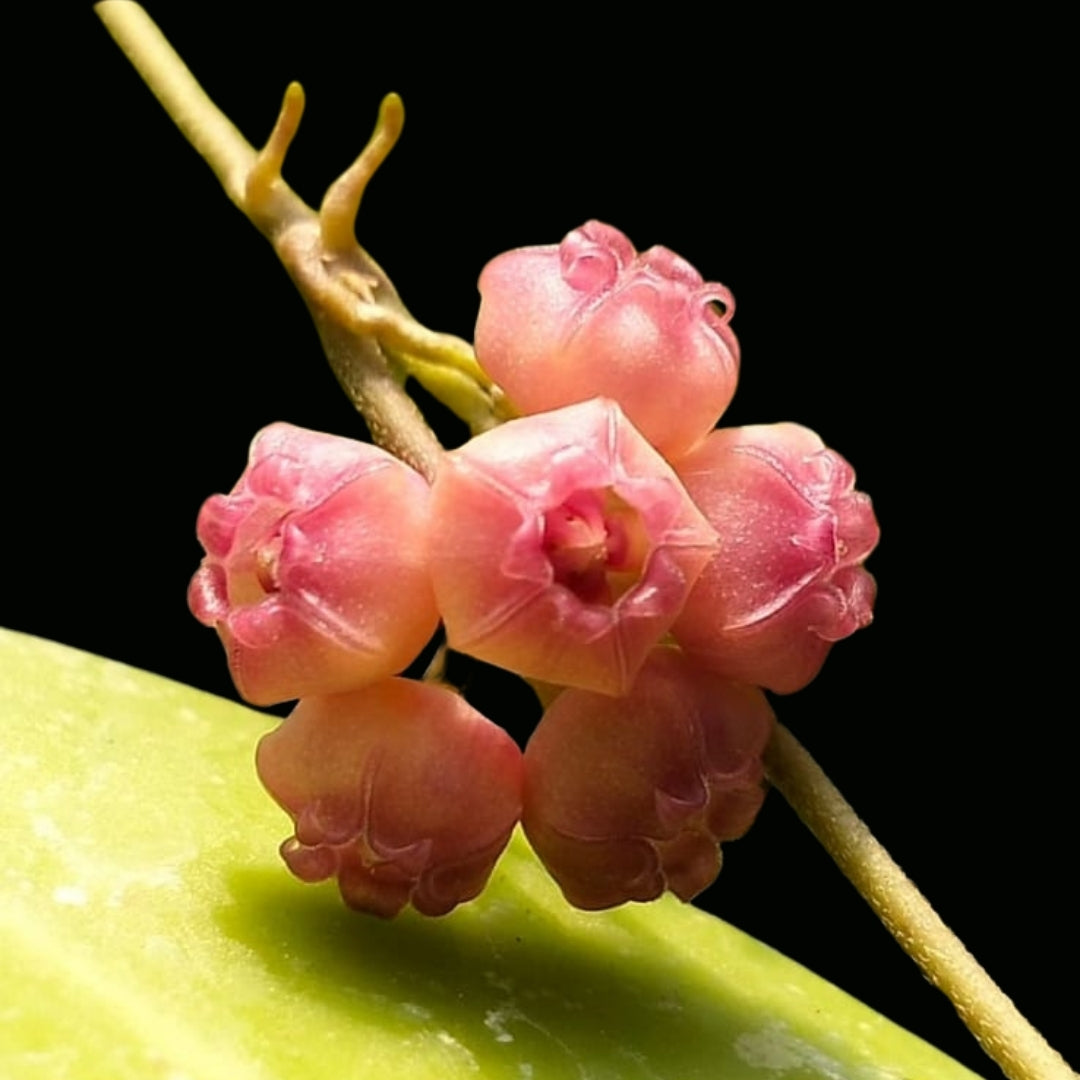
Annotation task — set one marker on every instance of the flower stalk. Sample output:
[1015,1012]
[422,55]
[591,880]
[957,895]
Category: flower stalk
[990,1015]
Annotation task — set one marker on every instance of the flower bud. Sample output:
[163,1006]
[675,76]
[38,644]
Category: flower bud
[626,797]
[787,579]
[402,791]
[315,574]
[592,318]
[563,547]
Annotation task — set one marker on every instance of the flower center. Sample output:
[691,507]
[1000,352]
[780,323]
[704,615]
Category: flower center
[267,563]
[596,544]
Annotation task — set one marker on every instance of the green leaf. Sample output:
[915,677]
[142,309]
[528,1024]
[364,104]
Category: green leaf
[148,930]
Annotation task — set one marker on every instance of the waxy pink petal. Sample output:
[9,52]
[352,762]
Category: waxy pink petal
[563,547]
[315,574]
[626,797]
[787,579]
[402,791]
[592,318]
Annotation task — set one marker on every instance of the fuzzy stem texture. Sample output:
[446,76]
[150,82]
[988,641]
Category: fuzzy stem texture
[1020,1051]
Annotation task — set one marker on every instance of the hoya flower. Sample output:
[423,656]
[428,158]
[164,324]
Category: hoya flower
[591,318]
[626,797]
[563,547]
[787,578]
[402,791]
[315,575]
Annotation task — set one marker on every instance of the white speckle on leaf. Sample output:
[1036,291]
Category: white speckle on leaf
[779,1051]
[640,1061]
[462,1057]
[45,828]
[72,895]
[669,1004]
[157,877]
[117,678]
[499,982]
[495,1022]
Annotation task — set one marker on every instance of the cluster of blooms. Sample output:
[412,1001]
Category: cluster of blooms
[609,543]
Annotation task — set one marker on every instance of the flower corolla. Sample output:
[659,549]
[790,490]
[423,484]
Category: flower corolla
[626,797]
[563,547]
[402,791]
[315,574]
[592,318]
[787,579]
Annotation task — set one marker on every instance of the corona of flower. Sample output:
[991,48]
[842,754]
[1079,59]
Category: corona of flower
[591,318]
[563,547]
[315,575]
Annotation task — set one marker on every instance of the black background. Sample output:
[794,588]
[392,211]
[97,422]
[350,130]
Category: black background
[870,209]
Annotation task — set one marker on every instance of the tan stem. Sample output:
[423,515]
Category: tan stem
[395,422]
[203,124]
[353,302]
[993,1019]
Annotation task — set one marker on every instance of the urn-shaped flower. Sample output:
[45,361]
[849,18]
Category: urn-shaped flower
[626,797]
[592,318]
[315,575]
[402,791]
[787,578]
[563,547]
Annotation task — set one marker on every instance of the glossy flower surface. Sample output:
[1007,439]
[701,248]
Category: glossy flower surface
[592,318]
[787,578]
[315,575]
[563,547]
[626,797]
[402,791]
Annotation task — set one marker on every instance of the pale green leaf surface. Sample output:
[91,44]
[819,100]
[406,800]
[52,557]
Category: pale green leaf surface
[149,931]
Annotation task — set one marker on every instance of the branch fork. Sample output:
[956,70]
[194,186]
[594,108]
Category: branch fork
[372,342]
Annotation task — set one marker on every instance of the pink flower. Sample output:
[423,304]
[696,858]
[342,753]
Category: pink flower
[563,547]
[626,797]
[787,578]
[315,574]
[402,791]
[592,318]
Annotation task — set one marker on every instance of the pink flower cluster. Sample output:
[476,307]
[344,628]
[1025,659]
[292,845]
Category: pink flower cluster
[651,573]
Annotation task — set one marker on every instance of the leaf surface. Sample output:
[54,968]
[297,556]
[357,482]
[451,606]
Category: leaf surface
[149,931]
